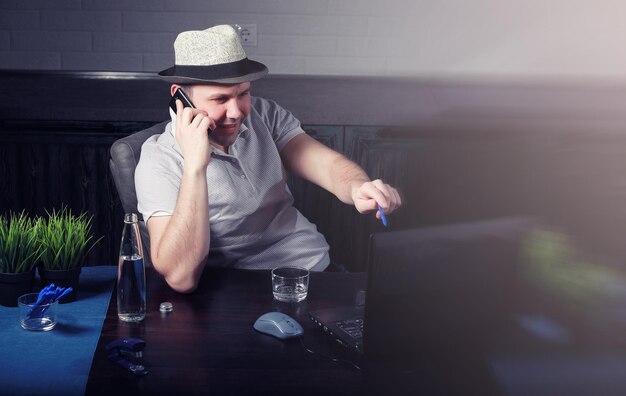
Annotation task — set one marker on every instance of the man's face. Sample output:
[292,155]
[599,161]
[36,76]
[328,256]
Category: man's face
[227,105]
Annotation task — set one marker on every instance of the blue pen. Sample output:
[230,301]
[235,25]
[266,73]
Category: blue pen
[65,292]
[382,215]
[47,296]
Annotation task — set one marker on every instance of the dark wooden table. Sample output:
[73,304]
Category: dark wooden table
[207,345]
[546,342]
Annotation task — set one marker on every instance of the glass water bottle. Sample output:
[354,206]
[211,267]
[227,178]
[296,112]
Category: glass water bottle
[131,273]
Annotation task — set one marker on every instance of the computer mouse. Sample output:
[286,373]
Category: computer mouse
[279,325]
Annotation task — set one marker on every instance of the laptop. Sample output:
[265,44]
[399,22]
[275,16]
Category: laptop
[432,289]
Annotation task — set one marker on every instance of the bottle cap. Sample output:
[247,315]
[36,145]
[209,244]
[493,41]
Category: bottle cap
[166,307]
[131,218]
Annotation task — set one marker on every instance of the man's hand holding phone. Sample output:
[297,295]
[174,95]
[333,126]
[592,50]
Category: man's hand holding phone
[191,134]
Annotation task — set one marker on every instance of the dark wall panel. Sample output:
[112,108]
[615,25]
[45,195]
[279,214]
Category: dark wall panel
[45,166]
[471,151]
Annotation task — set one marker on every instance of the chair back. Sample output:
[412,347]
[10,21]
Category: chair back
[124,156]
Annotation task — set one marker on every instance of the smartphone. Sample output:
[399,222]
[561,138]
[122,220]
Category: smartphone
[179,94]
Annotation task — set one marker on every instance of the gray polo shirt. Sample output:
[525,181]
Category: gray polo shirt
[253,222]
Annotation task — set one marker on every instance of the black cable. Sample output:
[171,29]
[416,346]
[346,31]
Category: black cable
[335,360]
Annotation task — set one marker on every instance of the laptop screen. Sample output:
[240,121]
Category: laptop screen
[507,306]
[440,290]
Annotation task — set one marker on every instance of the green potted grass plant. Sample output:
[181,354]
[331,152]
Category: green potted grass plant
[66,240]
[19,252]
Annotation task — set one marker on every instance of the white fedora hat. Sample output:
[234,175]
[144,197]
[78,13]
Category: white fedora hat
[214,55]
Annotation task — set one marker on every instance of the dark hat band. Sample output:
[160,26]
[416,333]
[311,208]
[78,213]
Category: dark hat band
[213,72]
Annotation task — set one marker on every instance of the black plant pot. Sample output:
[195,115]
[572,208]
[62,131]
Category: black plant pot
[14,285]
[61,278]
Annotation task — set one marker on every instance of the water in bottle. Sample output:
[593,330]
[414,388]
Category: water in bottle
[131,275]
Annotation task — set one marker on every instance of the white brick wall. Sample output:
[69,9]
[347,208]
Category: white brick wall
[431,38]
[100,61]
[294,36]
[89,21]
[40,4]
[5,41]
[174,22]
[123,5]
[133,42]
[292,7]
[41,60]
[34,40]
[19,20]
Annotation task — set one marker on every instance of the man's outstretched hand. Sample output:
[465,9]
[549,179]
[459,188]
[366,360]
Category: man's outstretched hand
[370,194]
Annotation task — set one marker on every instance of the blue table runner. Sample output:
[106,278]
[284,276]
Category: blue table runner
[56,362]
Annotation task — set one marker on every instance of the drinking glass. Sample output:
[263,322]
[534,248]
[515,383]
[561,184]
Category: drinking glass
[290,284]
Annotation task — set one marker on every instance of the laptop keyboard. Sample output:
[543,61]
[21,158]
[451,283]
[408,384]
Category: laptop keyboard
[352,327]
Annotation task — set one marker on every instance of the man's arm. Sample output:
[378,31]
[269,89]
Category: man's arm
[180,242]
[332,171]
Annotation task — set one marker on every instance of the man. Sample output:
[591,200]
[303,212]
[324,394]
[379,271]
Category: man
[221,196]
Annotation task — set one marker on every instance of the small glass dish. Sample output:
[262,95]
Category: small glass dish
[37,317]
